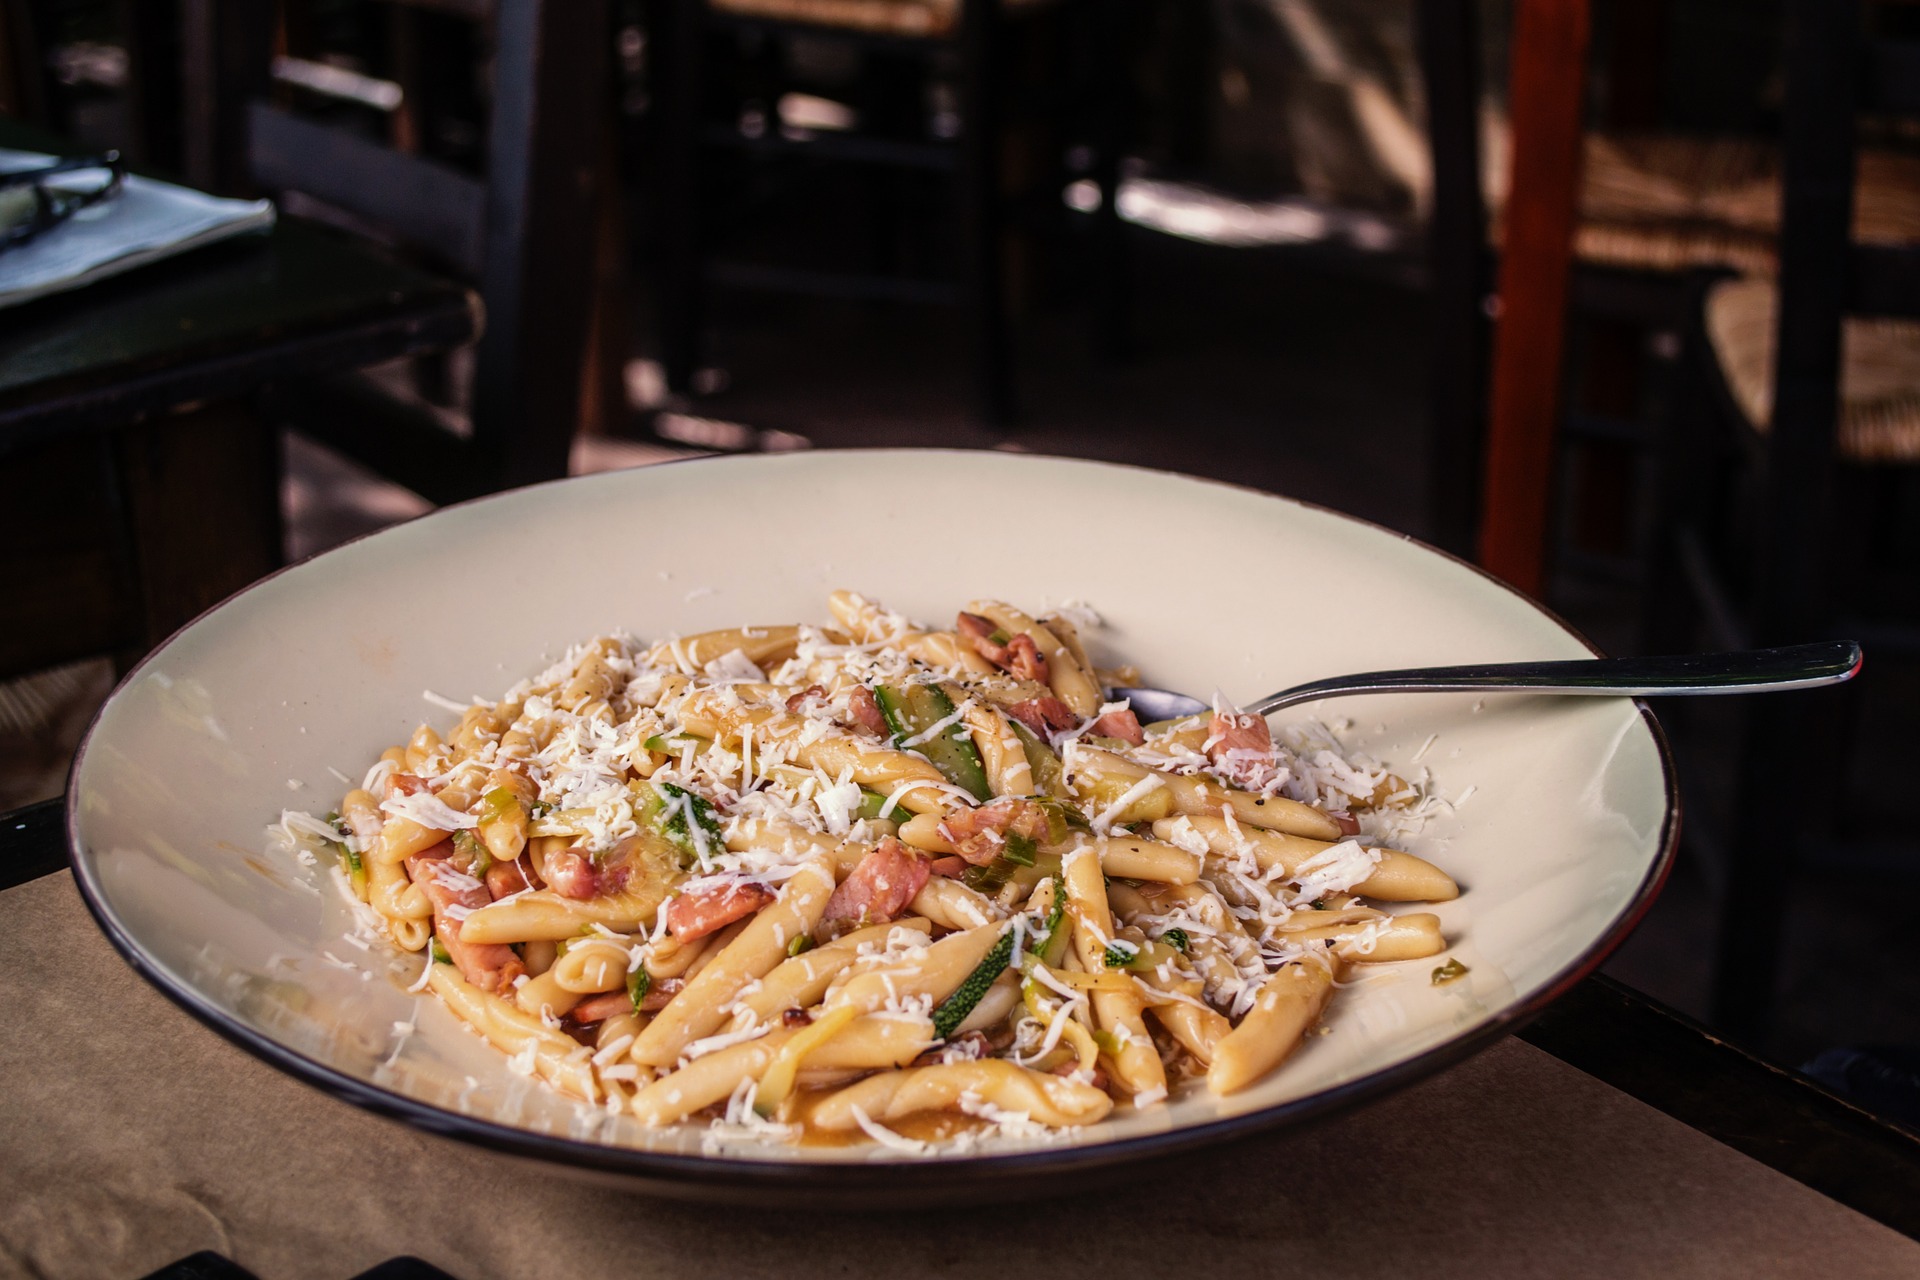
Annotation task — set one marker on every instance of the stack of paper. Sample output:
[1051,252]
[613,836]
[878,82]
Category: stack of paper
[146,221]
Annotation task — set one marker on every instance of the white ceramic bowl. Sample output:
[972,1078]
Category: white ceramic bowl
[1562,836]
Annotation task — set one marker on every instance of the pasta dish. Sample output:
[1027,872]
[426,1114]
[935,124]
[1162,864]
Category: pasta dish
[874,882]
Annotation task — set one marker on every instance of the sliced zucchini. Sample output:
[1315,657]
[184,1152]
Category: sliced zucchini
[1018,855]
[910,711]
[954,1009]
[686,820]
[782,1075]
[1144,958]
[990,878]
[1049,945]
[1047,773]
[1053,946]
[1063,819]
[356,871]
[497,803]
[474,850]
[1044,866]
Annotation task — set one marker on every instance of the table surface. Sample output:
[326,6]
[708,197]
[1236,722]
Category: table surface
[213,322]
[137,1138]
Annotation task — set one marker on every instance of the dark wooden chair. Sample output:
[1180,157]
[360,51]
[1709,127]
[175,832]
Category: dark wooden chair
[1460,267]
[1802,397]
[131,53]
[1639,211]
[522,229]
[701,115]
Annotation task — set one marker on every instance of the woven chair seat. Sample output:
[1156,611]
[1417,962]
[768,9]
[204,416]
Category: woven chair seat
[894,17]
[1656,202]
[1879,379]
[931,18]
[1669,202]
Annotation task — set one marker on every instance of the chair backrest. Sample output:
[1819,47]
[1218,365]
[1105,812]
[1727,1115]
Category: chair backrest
[1457,253]
[1885,280]
[1833,71]
[523,233]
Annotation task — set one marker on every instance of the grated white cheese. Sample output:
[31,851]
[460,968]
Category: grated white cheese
[449,704]
[888,1138]
[1335,869]
[428,810]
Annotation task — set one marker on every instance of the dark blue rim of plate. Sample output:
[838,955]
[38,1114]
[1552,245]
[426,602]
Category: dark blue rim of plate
[693,1172]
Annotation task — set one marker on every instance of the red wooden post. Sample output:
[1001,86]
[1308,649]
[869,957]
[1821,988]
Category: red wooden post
[1545,96]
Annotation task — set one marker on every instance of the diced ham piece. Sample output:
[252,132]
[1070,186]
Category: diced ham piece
[1025,660]
[574,873]
[601,1007]
[799,700]
[1228,733]
[866,711]
[1045,716]
[1018,655]
[1242,745]
[979,633]
[1121,724]
[880,885]
[405,784]
[571,874]
[697,914]
[490,966]
[659,993]
[953,866]
[978,835]
[507,878]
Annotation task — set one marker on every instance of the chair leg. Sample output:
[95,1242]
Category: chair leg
[544,161]
[1110,35]
[1764,841]
[1794,533]
[984,266]
[681,251]
[1668,609]
[1456,237]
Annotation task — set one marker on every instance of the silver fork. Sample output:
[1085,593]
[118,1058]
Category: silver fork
[1800,666]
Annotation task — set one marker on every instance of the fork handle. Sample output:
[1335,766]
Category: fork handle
[1800,666]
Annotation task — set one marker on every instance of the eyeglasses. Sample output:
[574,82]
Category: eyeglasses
[38,199]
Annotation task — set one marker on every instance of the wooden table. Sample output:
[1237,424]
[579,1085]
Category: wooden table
[137,485]
[1612,1138]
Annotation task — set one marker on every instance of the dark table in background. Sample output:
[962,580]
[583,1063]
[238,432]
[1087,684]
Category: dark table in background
[137,485]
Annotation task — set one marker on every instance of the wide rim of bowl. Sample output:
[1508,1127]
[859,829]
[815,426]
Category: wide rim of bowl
[904,1176]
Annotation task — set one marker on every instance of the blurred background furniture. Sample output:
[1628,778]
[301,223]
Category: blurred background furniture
[1546,96]
[141,485]
[961,115]
[1793,458]
[61,60]
[514,215]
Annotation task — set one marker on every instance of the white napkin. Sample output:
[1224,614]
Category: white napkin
[146,221]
